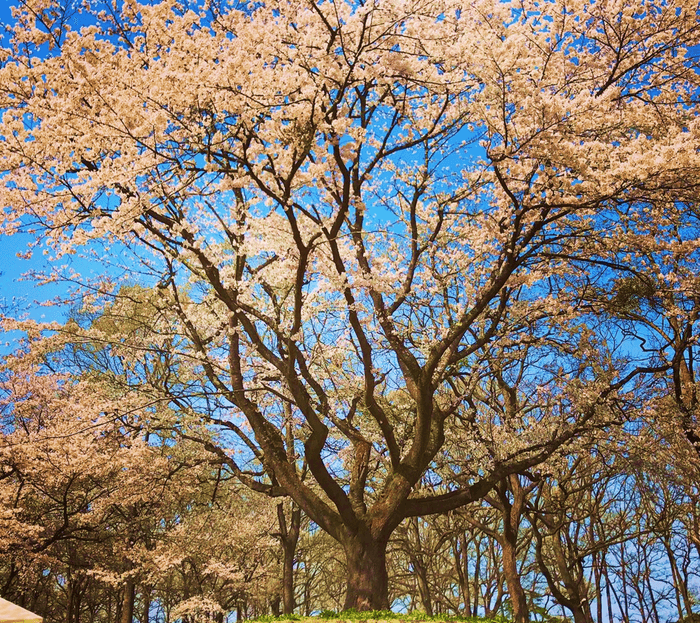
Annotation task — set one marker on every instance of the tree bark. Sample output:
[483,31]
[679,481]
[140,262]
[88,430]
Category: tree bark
[289,538]
[459,546]
[127,613]
[512,513]
[682,598]
[511,508]
[275,606]
[145,613]
[517,595]
[573,596]
[368,580]
[419,568]
[288,603]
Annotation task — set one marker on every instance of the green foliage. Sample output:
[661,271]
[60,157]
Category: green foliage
[629,293]
[544,616]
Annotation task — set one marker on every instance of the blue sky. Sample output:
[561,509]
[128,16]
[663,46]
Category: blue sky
[12,288]
[19,294]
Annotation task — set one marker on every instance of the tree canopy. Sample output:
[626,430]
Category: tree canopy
[362,244]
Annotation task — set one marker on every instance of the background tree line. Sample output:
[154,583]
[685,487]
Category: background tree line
[110,516]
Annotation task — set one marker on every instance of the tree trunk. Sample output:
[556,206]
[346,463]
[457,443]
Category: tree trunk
[275,606]
[512,513]
[581,614]
[625,596]
[477,579]
[518,598]
[146,605]
[459,547]
[74,597]
[289,536]
[288,603]
[419,568]
[127,613]
[682,598]
[608,591]
[69,602]
[368,580]
[423,586]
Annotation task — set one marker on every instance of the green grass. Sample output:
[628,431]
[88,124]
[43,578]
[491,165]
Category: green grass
[376,615]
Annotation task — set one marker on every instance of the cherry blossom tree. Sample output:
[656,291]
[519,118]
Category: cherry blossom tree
[99,509]
[346,210]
